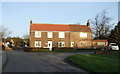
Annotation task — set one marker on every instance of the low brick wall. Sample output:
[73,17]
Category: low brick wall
[66,48]
[105,52]
[38,49]
[30,49]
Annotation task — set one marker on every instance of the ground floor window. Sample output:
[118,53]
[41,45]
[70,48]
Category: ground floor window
[72,44]
[61,44]
[37,43]
[83,43]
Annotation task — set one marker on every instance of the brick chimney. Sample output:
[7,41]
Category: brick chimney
[30,22]
[88,23]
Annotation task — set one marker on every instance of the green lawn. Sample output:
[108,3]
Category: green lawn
[96,62]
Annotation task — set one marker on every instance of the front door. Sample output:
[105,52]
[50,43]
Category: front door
[49,44]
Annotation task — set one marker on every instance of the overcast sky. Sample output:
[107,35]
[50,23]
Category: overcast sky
[17,15]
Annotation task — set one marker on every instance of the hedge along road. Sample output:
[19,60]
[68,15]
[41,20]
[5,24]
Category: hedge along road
[20,61]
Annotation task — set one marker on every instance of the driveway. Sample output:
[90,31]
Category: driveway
[20,61]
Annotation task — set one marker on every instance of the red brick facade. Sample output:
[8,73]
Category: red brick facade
[100,43]
[72,35]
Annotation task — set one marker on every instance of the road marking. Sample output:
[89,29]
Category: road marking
[64,63]
[54,57]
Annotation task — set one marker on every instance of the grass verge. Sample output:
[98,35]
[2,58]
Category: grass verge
[96,62]
[69,51]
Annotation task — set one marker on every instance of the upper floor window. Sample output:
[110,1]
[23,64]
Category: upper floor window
[61,35]
[38,34]
[49,34]
[82,34]
[37,43]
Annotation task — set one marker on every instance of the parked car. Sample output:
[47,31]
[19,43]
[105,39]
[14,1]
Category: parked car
[113,46]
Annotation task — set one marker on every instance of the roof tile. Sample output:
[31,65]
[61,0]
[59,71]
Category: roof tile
[60,27]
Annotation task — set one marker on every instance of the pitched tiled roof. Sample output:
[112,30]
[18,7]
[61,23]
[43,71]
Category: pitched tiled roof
[60,27]
[79,28]
[49,27]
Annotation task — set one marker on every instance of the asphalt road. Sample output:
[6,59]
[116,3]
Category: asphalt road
[20,61]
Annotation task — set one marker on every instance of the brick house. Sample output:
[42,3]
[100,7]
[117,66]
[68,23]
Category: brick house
[60,35]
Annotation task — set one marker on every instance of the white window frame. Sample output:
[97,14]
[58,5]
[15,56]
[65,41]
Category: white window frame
[83,34]
[37,34]
[61,34]
[50,34]
[63,44]
[37,43]
[72,44]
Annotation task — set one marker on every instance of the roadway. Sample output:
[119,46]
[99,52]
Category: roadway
[20,61]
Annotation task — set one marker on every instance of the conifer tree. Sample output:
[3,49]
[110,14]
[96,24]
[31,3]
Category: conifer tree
[115,34]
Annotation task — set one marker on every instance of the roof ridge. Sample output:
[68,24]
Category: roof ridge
[48,24]
[59,24]
[76,25]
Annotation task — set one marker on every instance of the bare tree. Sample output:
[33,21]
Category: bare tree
[26,39]
[4,32]
[101,25]
[25,36]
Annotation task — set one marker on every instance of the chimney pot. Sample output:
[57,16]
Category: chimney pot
[88,23]
[30,22]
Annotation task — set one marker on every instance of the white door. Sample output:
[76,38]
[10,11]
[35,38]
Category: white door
[49,44]
[72,44]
